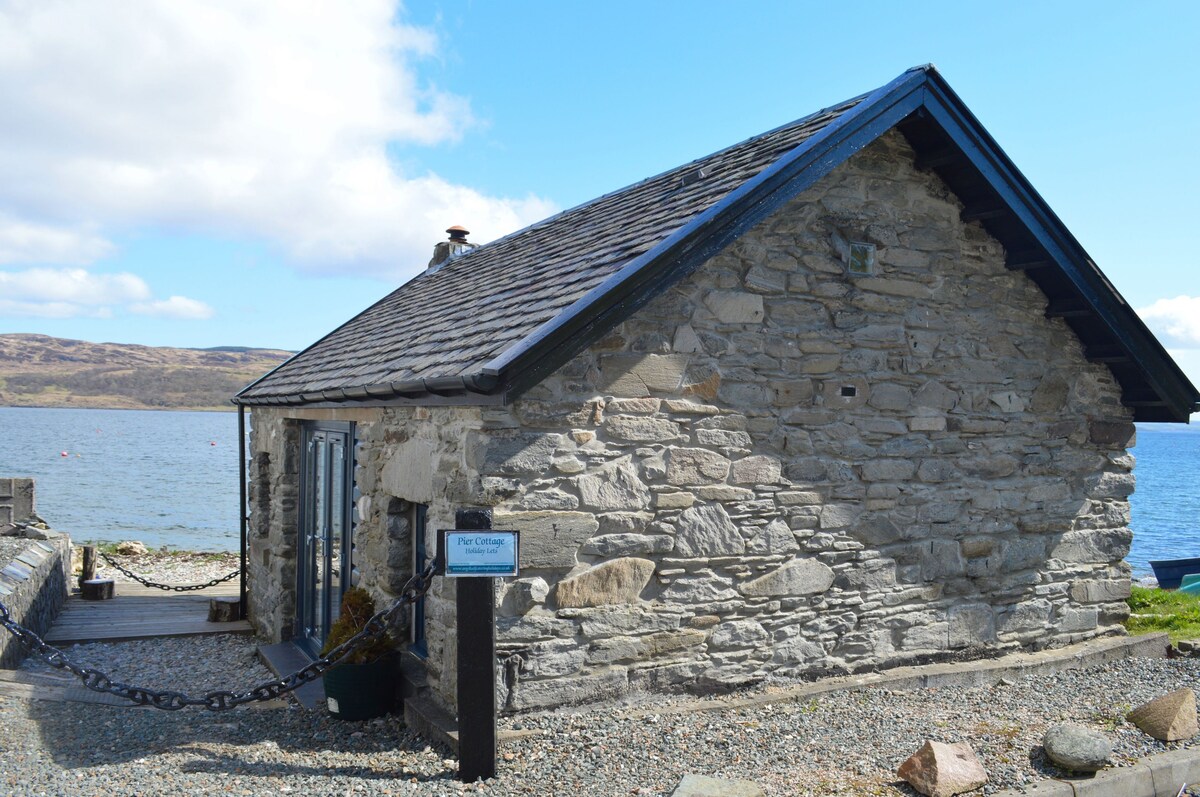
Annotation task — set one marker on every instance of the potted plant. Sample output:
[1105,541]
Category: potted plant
[362,685]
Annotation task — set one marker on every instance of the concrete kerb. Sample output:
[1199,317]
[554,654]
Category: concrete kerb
[1162,775]
[984,672]
[430,720]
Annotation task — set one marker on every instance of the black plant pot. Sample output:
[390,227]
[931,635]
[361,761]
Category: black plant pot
[360,691]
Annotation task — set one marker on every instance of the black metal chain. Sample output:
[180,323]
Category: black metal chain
[93,679]
[169,587]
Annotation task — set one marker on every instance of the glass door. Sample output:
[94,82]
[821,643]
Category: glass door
[325,530]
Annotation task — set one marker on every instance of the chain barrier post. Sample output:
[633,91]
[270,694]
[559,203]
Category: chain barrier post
[476,664]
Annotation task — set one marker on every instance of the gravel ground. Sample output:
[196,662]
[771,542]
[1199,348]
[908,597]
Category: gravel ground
[846,743]
[843,743]
[167,567]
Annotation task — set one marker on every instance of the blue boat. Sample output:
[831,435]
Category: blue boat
[1170,572]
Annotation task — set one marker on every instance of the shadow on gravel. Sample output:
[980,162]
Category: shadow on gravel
[270,742]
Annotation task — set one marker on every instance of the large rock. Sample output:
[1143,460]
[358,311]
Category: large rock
[798,577]
[618,581]
[705,531]
[131,548]
[704,786]
[943,770]
[1076,748]
[1168,718]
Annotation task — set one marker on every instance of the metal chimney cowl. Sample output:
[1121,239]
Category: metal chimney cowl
[445,251]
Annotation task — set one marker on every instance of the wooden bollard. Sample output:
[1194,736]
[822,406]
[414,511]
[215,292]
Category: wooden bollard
[224,610]
[89,565]
[97,589]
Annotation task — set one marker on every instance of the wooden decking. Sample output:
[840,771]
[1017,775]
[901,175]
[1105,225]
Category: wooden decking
[139,612]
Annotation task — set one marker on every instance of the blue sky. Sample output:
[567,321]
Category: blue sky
[207,173]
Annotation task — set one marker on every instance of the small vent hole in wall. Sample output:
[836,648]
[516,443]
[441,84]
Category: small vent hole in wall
[849,391]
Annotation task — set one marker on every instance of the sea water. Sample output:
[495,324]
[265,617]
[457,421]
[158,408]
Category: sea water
[171,478]
[164,478]
[1166,505]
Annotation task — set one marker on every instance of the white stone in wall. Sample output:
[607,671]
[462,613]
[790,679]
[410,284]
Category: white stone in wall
[614,488]
[836,516]
[1008,401]
[686,340]
[627,544]
[636,375]
[798,577]
[549,539]
[641,430]
[971,625]
[674,500]
[737,634]
[706,531]
[526,593]
[687,466]
[775,539]
[735,307]
[408,471]
[703,587]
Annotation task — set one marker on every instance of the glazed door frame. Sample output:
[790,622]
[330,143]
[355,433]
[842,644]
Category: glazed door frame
[324,539]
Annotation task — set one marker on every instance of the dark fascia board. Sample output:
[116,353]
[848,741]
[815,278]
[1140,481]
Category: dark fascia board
[1158,368]
[647,275]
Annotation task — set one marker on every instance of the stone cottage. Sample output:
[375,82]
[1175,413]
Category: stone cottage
[844,396]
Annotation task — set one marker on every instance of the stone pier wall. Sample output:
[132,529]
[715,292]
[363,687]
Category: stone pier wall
[33,572]
[17,501]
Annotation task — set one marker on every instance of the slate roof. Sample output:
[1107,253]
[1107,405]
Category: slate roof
[495,320]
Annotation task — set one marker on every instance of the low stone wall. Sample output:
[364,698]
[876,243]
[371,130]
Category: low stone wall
[33,586]
[33,572]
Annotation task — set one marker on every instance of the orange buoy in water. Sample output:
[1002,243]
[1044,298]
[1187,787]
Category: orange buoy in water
[64,454]
[212,442]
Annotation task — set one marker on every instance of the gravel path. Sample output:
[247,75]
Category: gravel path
[846,743]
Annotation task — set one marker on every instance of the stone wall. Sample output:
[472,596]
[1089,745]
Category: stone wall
[777,468]
[273,488]
[33,572]
[17,501]
[781,468]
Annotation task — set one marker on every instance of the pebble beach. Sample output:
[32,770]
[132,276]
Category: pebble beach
[840,743]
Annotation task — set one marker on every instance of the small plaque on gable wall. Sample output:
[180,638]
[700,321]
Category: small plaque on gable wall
[479,553]
[862,258]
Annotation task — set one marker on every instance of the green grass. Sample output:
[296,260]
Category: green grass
[1152,610]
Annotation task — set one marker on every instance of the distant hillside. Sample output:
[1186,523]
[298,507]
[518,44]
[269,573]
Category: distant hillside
[41,371]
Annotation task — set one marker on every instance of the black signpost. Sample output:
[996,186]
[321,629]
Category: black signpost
[476,664]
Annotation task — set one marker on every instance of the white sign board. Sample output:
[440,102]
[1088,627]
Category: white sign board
[480,553]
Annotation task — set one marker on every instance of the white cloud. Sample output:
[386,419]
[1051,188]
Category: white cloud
[71,286]
[268,119]
[1175,321]
[175,307]
[24,242]
[76,292]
